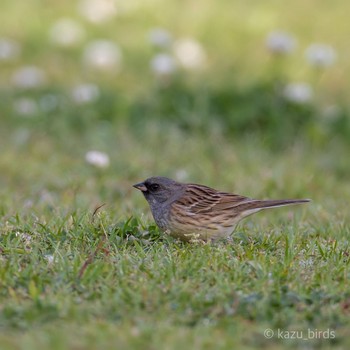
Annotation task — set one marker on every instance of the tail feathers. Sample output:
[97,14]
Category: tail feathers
[255,205]
[275,203]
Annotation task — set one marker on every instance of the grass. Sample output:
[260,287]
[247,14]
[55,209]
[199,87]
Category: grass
[82,265]
[142,290]
[148,290]
[74,279]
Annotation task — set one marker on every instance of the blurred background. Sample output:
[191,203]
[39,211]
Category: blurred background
[246,96]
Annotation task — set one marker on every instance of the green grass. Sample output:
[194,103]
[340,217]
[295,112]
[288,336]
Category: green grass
[142,290]
[74,277]
[116,281]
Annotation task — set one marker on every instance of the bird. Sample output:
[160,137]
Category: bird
[192,212]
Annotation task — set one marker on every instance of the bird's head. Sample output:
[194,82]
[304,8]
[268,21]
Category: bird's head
[160,189]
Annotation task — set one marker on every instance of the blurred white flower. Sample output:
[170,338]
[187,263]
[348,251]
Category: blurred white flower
[9,49]
[320,55]
[49,258]
[298,92]
[102,55]
[160,37]
[280,43]
[28,77]
[181,175]
[163,64]
[97,11]
[66,32]
[97,159]
[190,53]
[25,106]
[85,93]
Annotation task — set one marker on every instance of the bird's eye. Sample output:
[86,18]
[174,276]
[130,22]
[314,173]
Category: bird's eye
[154,187]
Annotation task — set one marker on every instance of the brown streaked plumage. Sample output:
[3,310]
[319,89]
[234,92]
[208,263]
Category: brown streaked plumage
[191,211]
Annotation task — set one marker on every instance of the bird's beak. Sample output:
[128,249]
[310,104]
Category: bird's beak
[140,186]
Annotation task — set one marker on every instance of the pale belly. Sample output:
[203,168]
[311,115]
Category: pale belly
[206,231]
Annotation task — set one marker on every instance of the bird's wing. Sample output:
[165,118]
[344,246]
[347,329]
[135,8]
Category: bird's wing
[201,199]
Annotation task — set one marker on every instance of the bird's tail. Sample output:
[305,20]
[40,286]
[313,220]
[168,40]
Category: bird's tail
[254,205]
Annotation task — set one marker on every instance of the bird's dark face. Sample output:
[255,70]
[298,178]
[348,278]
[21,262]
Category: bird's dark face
[160,189]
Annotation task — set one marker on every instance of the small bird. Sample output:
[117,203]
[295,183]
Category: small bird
[197,212]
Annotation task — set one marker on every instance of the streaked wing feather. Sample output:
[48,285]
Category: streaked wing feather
[202,199]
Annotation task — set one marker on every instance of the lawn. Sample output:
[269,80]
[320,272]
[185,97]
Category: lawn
[82,264]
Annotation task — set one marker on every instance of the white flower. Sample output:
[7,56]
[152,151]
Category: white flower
[28,77]
[98,11]
[66,32]
[160,37]
[280,43]
[9,49]
[163,64]
[97,159]
[102,55]
[320,55]
[49,258]
[181,175]
[298,92]
[25,106]
[85,93]
[190,53]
